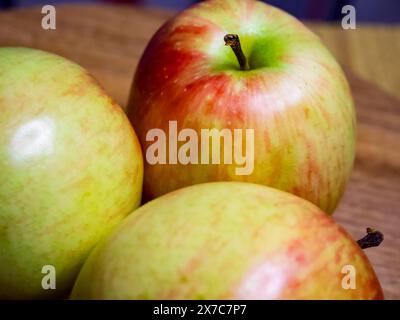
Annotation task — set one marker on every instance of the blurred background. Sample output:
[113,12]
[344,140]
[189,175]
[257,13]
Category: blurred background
[387,11]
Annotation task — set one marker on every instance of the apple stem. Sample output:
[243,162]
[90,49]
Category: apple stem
[373,239]
[233,41]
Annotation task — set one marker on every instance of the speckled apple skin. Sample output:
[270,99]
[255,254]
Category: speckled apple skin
[226,240]
[70,169]
[295,97]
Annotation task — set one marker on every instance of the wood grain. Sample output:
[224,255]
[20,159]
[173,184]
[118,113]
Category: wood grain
[371,51]
[108,41]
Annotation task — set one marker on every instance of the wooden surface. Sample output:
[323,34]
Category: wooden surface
[371,51]
[108,41]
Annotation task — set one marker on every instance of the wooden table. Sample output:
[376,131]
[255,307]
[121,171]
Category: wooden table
[108,41]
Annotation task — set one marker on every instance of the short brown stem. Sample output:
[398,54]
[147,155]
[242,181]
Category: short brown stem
[233,41]
[373,239]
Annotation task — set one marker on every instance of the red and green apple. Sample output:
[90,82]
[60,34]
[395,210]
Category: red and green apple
[228,240]
[286,87]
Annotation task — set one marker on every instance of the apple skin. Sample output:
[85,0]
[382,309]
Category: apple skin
[295,97]
[226,240]
[71,168]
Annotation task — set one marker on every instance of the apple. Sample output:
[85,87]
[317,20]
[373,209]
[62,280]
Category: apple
[71,169]
[227,240]
[279,80]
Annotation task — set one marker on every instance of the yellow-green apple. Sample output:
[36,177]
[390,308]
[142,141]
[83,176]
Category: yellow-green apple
[227,240]
[289,90]
[71,168]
